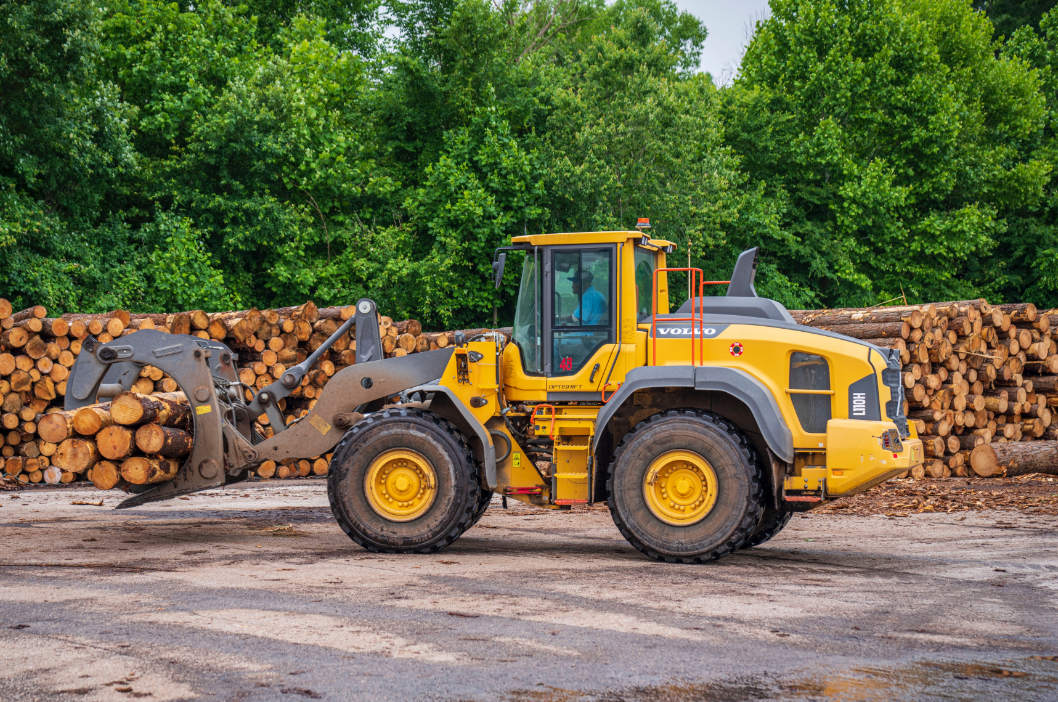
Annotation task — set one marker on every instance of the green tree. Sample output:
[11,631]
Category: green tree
[259,150]
[64,144]
[1009,15]
[897,139]
[1031,242]
[350,25]
[455,115]
[633,136]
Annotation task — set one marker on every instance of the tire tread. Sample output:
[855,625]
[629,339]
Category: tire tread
[470,513]
[748,523]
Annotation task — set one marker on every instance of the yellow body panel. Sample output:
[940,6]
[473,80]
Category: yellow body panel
[572,480]
[578,238]
[764,353]
[518,386]
[577,420]
[857,457]
[475,379]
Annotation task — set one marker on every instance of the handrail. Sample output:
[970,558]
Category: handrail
[699,317]
[532,419]
[697,276]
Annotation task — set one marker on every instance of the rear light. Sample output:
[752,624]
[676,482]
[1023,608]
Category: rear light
[891,441]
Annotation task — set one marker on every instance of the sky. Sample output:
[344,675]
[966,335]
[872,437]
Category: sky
[730,23]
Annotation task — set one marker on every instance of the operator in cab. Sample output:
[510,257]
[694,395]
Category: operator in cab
[592,305]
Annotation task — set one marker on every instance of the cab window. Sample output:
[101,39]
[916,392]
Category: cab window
[809,383]
[528,329]
[645,265]
[582,309]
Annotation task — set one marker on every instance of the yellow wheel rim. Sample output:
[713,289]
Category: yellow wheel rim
[680,488]
[400,485]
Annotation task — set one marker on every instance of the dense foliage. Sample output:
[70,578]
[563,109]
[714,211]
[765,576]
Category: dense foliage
[218,154]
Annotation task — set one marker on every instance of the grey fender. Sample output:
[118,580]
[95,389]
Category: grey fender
[445,404]
[734,382]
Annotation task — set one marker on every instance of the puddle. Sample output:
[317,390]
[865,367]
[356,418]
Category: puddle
[1028,679]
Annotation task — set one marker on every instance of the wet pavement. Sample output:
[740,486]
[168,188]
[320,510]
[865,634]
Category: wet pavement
[254,593]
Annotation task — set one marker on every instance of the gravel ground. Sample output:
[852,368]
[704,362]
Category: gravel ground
[255,594]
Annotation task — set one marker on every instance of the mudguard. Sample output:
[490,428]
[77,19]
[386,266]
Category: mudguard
[444,403]
[732,381]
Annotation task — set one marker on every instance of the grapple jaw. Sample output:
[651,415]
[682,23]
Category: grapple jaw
[196,365]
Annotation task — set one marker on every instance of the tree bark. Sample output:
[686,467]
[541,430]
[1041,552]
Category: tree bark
[37,311]
[1018,458]
[339,314]
[886,330]
[1020,312]
[307,312]
[131,408]
[142,470]
[14,338]
[163,441]
[411,326]
[934,446]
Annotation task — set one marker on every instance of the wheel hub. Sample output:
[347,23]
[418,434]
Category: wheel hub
[400,485]
[680,488]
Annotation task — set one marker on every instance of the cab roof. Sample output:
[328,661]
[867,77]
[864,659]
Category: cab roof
[587,238]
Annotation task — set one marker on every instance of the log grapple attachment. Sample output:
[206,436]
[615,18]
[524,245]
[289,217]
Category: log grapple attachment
[225,442]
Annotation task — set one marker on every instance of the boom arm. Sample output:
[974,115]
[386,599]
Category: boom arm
[266,401]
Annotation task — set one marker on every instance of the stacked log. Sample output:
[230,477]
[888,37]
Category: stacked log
[38,351]
[976,377]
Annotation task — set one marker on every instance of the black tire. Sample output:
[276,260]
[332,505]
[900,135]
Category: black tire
[771,524]
[738,506]
[484,498]
[454,507]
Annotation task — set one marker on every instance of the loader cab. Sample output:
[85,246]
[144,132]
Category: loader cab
[579,300]
[566,307]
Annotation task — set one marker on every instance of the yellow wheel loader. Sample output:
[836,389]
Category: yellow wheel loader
[703,428]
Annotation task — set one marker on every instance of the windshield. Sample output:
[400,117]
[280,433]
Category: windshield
[527,327]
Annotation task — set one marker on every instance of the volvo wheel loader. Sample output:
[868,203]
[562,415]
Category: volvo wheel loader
[703,428]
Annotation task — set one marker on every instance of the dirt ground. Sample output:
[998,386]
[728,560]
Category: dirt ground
[1029,494]
[917,590]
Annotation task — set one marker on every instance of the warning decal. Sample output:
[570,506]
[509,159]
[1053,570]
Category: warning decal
[320,425]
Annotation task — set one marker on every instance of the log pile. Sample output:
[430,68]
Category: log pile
[980,379]
[41,443]
[981,383]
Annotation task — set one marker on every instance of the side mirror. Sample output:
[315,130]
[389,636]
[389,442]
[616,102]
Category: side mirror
[497,268]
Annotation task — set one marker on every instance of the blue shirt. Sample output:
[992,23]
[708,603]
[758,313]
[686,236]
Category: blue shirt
[594,307]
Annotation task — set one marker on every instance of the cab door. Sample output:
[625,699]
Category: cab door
[580,313]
